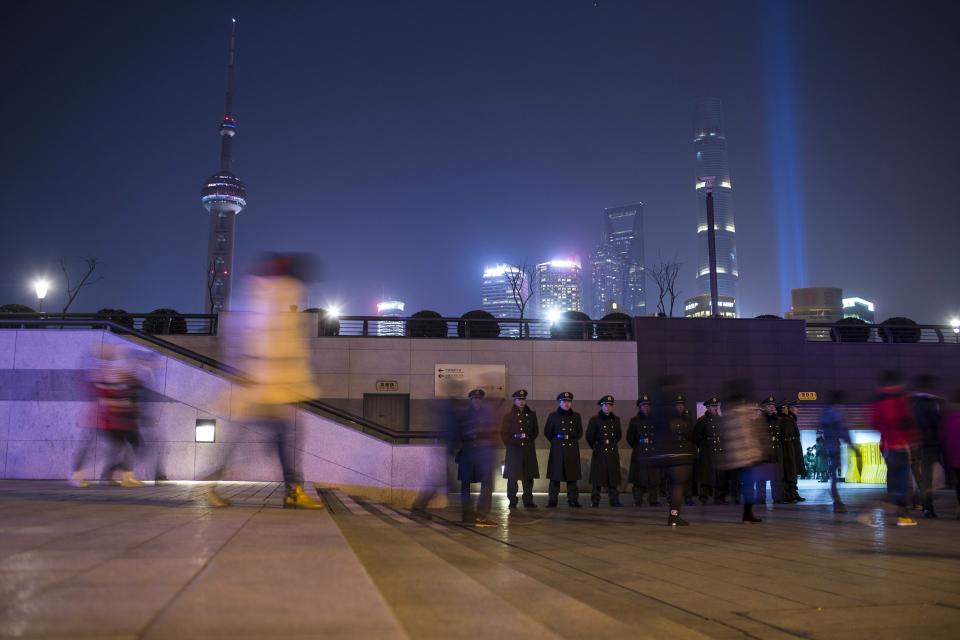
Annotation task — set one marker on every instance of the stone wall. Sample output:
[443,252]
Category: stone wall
[45,411]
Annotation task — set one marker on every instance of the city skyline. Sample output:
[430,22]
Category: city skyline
[473,158]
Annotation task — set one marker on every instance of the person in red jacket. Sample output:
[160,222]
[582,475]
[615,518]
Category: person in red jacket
[893,418]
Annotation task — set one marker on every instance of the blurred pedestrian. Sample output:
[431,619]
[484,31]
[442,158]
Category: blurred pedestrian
[116,391]
[603,435]
[519,431]
[928,410]
[774,453]
[563,429]
[893,418]
[833,425]
[950,439]
[477,437]
[675,447]
[270,344]
[644,473]
[747,451]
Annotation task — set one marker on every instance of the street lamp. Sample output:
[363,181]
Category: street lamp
[41,286]
[955,324]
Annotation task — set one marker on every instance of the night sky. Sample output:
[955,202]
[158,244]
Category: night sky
[409,144]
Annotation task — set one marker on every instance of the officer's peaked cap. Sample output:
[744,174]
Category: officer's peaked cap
[477,393]
[520,393]
[566,395]
[607,398]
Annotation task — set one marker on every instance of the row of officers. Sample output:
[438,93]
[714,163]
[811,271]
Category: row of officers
[669,450]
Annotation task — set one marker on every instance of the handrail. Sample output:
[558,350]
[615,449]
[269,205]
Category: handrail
[316,405]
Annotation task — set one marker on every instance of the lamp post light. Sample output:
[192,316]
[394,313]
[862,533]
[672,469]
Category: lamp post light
[41,287]
[955,325]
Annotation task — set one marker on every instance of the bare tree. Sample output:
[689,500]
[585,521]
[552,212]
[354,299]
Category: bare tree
[85,281]
[520,279]
[665,276]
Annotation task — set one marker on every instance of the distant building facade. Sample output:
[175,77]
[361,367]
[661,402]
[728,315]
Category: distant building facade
[559,287]
[390,309]
[699,307]
[816,304]
[859,308]
[710,150]
[617,274]
[497,294]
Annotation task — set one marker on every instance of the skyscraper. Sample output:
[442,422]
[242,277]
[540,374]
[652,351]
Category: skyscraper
[497,291]
[390,309]
[559,287]
[617,274]
[710,147]
[223,196]
[859,308]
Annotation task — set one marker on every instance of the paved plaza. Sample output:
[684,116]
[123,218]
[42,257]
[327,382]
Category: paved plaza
[112,563]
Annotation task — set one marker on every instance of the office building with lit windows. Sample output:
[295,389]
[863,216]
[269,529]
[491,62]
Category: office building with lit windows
[713,174]
[816,304]
[699,307]
[390,309]
[498,299]
[617,275]
[859,308]
[559,287]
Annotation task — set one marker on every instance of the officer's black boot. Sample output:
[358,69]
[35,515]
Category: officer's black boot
[675,520]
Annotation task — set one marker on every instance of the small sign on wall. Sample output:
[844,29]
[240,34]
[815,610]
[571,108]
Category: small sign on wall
[456,380]
[806,395]
[388,386]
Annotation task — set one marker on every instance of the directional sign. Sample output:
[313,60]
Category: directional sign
[457,380]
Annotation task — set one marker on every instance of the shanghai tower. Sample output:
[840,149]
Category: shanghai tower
[223,196]
[713,172]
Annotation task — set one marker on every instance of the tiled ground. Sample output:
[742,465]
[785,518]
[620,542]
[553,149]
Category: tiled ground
[157,563]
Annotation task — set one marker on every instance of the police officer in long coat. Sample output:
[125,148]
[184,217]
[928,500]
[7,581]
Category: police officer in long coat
[603,436]
[644,474]
[519,431]
[476,435]
[563,429]
[792,452]
[708,436]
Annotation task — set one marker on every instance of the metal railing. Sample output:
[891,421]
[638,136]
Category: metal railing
[475,328]
[319,407]
[881,333]
[204,324]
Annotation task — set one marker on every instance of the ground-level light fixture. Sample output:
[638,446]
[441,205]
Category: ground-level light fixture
[206,430]
[553,316]
[333,312]
[955,323]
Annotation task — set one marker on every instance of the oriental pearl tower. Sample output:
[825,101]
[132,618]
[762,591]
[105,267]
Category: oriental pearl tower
[223,196]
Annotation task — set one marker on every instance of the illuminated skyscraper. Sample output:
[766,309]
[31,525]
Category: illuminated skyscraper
[859,308]
[710,147]
[617,275]
[390,309]
[497,291]
[559,287]
[223,196]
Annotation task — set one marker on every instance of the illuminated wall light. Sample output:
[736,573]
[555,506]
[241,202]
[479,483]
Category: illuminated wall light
[205,430]
[725,183]
[731,228]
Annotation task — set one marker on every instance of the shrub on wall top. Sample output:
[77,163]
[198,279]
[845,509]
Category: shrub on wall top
[484,325]
[850,330]
[119,316]
[165,321]
[572,325]
[426,324]
[621,331]
[326,325]
[899,330]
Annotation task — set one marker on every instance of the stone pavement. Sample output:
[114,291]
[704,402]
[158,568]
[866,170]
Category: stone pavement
[156,562]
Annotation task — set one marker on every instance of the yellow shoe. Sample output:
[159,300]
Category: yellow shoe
[77,480]
[128,480]
[297,498]
[904,521]
[216,500]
